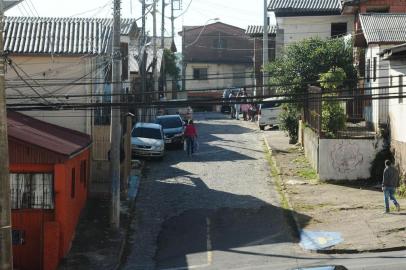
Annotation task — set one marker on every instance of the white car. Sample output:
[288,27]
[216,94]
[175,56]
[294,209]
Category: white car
[269,112]
[147,140]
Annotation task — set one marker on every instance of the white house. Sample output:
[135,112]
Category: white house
[379,31]
[300,19]
[395,57]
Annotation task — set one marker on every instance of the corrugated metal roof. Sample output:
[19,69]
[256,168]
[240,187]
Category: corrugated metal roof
[305,7]
[56,139]
[258,30]
[384,27]
[60,35]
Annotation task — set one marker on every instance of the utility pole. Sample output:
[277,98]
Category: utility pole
[163,75]
[143,61]
[265,48]
[115,135]
[155,43]
[6,254]
[172,21]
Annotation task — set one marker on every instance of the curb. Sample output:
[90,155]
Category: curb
[134,185]
[292,215]
[297,224]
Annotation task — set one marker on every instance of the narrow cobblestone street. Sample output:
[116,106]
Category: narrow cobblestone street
[215,210]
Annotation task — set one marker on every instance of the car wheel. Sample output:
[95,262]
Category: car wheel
[261,127]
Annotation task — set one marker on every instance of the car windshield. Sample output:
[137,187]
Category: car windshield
[151,133]
[174,122]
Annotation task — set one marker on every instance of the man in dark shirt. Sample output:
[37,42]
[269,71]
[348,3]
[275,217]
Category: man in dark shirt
[389,183]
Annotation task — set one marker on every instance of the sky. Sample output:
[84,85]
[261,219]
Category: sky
[240,13]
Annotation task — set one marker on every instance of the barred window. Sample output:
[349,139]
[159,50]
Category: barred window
[31,190]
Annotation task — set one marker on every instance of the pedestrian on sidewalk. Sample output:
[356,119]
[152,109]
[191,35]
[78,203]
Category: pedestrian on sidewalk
[237,106]
[191,135]
[389,183]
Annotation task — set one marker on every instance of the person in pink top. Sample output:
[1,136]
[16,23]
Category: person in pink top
[191,135]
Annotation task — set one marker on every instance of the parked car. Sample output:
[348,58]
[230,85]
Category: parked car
[269,112]
[225,107]
[147,140]
[173,128]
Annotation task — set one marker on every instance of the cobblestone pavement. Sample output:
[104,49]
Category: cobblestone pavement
[215,210]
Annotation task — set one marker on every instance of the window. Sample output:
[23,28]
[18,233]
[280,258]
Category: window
[368,70]
[200,73]
[220,43]
[83,172]
[73,184]
[378,9]
[400,88]
[374,72]
[31,190]
[338,29]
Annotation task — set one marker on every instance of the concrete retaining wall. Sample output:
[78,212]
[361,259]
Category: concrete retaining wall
[340,159]
[399,149]
[311,147]
[347,159]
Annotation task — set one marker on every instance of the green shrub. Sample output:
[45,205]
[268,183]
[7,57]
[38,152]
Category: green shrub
[288,119]
[333,118]
[402,190]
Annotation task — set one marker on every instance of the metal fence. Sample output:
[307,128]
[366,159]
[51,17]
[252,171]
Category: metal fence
[356,126]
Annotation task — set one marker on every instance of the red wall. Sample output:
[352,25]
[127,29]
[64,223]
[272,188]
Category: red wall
[49,233]
[68,209]
[29,255]
[395,5]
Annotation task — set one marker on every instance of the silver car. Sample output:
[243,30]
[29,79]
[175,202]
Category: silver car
[147,140]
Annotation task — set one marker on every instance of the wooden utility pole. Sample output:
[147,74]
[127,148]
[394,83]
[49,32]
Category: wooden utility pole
[265,48]
[6,254]
[115,136]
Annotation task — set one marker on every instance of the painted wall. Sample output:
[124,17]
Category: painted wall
[227,79]
[347,159]
[379,111]
[51,74]
[51,231]
[340,159]
[397,114]
[301,27]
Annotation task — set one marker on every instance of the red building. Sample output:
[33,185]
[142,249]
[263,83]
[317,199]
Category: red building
[49,168]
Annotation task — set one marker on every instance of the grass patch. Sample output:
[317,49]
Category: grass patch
[402,191]
[308,174]
[277,178]
[310,207]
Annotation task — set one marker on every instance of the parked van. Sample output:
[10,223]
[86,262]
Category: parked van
[269,112]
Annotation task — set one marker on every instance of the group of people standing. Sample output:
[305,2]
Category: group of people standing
[248,110]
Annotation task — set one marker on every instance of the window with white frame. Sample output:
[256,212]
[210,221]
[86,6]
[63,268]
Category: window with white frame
[32,190]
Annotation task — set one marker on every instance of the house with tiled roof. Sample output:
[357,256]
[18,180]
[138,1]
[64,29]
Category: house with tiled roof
[396,61]
[215,56]
[49,179]
[377,32]
[57,66]
[300,19]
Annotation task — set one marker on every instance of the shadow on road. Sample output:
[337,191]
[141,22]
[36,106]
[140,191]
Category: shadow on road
[229,222]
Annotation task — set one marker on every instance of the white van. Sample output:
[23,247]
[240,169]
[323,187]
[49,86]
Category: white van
[269,112]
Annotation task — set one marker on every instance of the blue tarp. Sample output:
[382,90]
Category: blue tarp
[316,240]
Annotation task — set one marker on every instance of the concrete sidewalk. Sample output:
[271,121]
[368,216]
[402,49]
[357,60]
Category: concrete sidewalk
[96,245]
[353,210]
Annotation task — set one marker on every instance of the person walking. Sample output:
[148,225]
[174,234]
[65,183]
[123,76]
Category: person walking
[231,99]
[191,135]
[237,107]
[389,183]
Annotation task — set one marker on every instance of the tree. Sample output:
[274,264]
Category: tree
[171,67]
[302,63]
